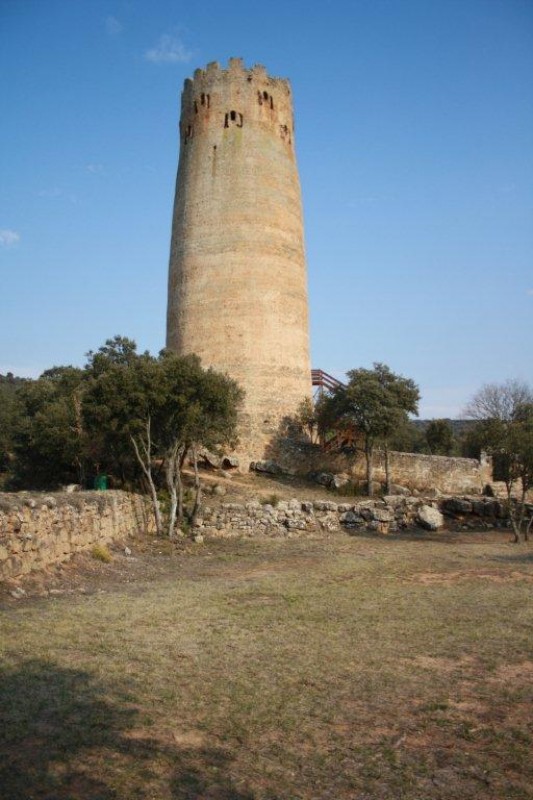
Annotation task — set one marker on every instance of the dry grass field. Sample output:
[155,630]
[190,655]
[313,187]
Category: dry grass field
[332,667]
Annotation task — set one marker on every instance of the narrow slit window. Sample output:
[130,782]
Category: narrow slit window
[226,121]
[233,116]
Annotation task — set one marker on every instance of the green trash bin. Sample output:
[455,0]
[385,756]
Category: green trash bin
[100,483]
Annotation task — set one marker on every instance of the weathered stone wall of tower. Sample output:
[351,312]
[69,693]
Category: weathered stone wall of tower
[237,281]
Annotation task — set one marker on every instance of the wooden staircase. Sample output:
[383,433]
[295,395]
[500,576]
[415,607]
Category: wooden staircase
[345,436]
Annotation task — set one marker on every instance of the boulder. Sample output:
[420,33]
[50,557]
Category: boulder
[340,480]
[430,518]
[350,519]
[325,478]
[209,459]
[395,488]
[230,462]
[382,514]
[456,505]
[270,467]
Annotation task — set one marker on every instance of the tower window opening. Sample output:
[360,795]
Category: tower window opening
[271,102]
[265,95]
[195,107]
[233,116]
[285,133]
[202,99]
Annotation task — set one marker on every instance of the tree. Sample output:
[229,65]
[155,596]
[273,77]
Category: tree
[305,419]
[499,401]
[10,417]
[439,437]
[158,411]
[376,402]
[122,396]
[49,439]
[504,414]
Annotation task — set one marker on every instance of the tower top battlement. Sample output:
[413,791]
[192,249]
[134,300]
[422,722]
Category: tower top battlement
[215,99]
[214,73]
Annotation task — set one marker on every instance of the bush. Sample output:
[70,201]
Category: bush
[270,500]
[101,553]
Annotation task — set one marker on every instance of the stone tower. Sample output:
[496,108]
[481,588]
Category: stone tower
[237,293]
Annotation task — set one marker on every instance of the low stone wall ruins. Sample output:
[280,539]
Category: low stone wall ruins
[421,472]
[413,470]
[386,515]
[37,530]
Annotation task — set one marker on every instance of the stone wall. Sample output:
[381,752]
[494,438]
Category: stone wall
[385,515]
[415,471]
[421,472]
[37,530]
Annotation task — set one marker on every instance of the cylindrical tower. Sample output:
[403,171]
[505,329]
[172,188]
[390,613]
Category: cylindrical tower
[237,294]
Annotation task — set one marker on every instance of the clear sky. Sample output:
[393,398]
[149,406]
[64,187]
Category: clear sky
[414,135]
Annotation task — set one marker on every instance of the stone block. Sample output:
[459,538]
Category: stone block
[430,518]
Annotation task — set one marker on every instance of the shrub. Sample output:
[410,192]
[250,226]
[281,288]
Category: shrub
[101,553]
[270,500]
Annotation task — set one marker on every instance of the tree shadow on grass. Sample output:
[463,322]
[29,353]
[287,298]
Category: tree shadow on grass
[64,736]
[515,558]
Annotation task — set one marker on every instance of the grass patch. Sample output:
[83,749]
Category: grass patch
[101,553]
[316,668]
[270,500]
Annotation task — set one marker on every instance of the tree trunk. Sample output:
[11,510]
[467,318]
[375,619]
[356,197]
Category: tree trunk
[387,470]
[369,467]
[197,486]
[170,469]
[515,523]
[145,460]
[179,482]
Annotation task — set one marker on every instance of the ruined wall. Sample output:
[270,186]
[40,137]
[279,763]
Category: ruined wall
[37,530]
[412,470]
[421,472]
[237,293]
[385,515]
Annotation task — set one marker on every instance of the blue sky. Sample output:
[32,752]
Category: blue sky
[414,127]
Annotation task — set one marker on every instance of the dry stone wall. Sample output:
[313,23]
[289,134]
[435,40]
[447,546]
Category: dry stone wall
[389,514]
[422,472]
[415,471]
[38,530]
